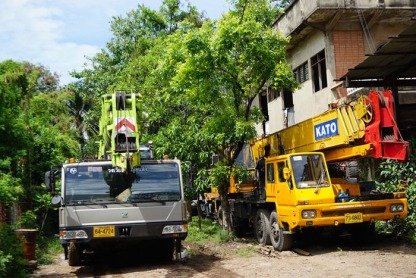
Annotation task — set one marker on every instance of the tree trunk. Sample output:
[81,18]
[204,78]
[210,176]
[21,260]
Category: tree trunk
[225,204]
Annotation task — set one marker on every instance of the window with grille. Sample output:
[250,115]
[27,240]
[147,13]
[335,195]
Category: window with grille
[272,93]
[302,72]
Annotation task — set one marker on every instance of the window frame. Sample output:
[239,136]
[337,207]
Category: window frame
[318,71]
[301,72]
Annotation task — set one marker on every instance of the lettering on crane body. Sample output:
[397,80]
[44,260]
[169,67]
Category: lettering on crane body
[326,129]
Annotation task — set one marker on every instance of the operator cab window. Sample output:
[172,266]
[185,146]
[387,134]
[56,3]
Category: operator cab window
[280,167]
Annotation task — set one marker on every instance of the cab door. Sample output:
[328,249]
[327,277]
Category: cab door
[284,191]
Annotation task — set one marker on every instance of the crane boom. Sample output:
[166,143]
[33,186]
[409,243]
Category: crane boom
[119,130]
[364,127]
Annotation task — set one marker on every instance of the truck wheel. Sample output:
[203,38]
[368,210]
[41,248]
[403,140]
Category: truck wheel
[262,226]
[74,254]
[279,240]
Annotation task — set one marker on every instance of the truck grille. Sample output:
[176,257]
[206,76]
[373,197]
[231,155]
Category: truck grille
[362,210]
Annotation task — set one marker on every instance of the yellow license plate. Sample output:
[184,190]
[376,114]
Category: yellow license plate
[353,218]
[103,231]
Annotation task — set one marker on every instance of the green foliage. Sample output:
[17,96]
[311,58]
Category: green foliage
[47,249]
[11,262]
[392,176]
[28,220]
[10,188]
[202,181]
[220,175]
[210,232]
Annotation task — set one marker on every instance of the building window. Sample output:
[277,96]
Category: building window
[272,93]
[318,66]
[302,73]
[263,105]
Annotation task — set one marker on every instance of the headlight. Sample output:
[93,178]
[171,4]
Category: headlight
[309,214]
[174,229]
[75,234]
[396,208]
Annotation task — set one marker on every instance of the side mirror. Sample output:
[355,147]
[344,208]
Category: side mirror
[50,181]
[286,173]
[56,200]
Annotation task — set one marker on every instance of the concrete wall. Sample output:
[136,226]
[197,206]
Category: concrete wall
[308,103]
[333,25]
[300,10]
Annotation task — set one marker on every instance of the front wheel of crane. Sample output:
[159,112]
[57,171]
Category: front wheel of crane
[279,239]
[74,254]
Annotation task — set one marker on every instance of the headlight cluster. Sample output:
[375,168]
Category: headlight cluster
[174,229]
[396,208]
[309,214]
[75,234]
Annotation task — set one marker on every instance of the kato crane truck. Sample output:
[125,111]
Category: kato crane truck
[124,199]
[297,190]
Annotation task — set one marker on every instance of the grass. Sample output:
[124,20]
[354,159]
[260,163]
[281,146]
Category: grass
[210,232]
[213,235]
[247,252]
[47,249]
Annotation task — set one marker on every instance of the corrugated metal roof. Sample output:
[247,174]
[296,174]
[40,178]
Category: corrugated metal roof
[389,64]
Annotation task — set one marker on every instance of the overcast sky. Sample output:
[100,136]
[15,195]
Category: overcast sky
[59,34]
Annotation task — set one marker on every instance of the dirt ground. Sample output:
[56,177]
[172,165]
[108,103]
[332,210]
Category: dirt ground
[323,257]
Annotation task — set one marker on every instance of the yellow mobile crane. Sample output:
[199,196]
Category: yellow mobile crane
[295,190]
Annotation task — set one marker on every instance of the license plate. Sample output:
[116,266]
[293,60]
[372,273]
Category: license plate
[103,231]
[353,218]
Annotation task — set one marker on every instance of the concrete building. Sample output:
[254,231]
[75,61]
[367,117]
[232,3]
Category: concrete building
[328,38]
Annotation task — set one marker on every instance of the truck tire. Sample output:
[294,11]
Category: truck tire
[280,241]
[262,226]
[74,254]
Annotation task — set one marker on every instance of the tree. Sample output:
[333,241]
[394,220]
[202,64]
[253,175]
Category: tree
[37,130]
[218,71]
[197,81]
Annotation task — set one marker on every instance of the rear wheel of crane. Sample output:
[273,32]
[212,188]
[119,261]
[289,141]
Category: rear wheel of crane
[279,240]
[262,226]
[74,254]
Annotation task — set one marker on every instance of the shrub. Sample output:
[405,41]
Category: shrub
[394,174]
[11,262]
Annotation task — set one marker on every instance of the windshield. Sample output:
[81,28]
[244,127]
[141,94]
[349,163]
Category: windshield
[99,184]
[309,171]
